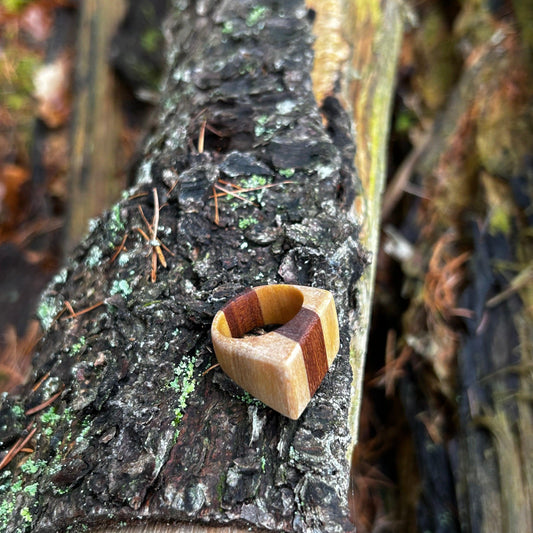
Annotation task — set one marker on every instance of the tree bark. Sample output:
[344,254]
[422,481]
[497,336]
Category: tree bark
[141,429]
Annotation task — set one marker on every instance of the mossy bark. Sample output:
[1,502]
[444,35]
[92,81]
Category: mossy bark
[143,430]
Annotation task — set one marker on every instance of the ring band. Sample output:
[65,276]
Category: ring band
[282,368]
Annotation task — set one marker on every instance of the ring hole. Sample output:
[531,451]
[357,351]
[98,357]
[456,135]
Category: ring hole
[262,330]
[262,310]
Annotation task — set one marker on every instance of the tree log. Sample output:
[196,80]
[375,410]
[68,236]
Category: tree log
[128,421]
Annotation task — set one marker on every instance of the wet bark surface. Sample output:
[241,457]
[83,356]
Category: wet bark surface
[142,429]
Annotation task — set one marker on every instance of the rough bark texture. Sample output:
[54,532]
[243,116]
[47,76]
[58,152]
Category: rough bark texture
[141,432]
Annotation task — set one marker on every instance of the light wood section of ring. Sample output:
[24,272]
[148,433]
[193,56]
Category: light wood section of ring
[282,368]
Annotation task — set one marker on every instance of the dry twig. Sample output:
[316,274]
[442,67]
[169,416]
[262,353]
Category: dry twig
[76,314]
[237,191]
[45,404]
[119,249]
[153,240]
[17,447]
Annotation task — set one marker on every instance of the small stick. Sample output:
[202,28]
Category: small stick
[153,273]
[160,255]
[173,185]
[522,279]
[241,190]
[155,221]
[267,186]
[212,367]
[217,219]
[41,381]
[119,249]
[258,188]
[138,195]
[166,249]
[233,193]
[234,185]
[153,240]
[213,130]
[156,250]
[44,405]
[17,447]
[218,195]
[201,137]
[60,313]
[148,225]
[69,307]
[147,239]
[86,310]
[199,114]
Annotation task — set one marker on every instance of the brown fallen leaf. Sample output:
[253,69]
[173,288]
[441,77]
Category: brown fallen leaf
[52,91]
[15,355]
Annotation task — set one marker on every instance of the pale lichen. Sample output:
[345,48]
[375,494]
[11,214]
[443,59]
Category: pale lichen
[32,467]
[77,346]
[245,223]
[48,309]
[257,14]
[121,287]
[183,385]
[94,257]
[115,224]
[286,172]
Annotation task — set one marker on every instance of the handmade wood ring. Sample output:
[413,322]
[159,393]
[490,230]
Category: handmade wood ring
[282,368]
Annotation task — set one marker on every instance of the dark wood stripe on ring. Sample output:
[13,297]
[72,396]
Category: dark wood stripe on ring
[306,329]
[243,313]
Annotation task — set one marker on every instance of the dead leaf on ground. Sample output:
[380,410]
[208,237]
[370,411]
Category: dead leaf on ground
[11,179]
[52,91]
[15,355]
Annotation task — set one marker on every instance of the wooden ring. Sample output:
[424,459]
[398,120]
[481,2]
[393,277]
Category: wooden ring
[282,368]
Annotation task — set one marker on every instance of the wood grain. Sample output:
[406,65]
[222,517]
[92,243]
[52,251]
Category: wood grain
[244,314]
[285,367]
[305,328]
